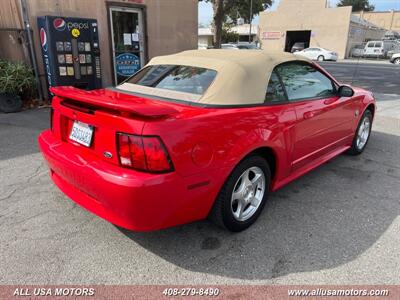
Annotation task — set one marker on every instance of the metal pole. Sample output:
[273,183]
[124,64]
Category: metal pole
[251,19]
[28,30]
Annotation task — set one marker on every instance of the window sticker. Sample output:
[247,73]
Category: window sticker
[83,70]
[88,59]
[82,58]
[68,58]
[61,58]
[67,46]
[81,47]
[60,46]
[63,71]
[70,71]
[87,47]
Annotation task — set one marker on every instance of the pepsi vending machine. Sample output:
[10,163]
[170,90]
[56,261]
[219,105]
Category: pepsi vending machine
[71,53]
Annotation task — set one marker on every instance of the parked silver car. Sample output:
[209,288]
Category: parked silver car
[395,59]
[357,51]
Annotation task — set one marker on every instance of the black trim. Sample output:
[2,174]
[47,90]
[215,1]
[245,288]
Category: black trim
[191,103]
[286,101]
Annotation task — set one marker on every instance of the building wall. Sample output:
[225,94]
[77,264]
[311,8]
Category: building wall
[166,32]
[389,20]
[307,15]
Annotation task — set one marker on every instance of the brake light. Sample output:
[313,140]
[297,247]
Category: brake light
[143,153]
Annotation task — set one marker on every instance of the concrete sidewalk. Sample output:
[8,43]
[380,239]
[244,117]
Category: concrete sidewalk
[363,61]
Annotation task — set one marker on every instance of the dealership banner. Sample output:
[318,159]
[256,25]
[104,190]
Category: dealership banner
[199,292]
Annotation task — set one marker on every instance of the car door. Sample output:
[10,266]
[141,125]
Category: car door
[369,48]
[314,53]
[324,120]
[307,53]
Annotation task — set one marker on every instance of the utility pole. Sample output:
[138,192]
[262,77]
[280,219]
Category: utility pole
[251,19]
[28,29]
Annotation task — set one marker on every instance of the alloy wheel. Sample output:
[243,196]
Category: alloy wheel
[363,133]
[248,193]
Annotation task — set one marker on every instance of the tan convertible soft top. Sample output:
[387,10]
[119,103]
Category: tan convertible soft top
[242,75]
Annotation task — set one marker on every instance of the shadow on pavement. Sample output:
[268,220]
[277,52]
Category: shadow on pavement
[19,132]
[325,219]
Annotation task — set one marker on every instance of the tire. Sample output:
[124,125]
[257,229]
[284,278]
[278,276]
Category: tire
[10,103]
[357,147]
[397,61]
[321,58]
[226,211]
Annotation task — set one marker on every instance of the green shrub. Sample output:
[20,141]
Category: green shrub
[17,78]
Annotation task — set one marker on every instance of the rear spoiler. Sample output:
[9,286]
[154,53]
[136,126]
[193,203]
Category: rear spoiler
[110,99]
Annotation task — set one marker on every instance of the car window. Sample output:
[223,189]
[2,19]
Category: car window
[302,81]
[186,79]
[275,91]
[378,45]
[370,45]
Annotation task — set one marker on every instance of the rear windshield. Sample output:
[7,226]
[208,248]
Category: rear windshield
[185,79]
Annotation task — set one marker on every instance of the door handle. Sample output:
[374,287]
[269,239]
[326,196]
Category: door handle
[308,115]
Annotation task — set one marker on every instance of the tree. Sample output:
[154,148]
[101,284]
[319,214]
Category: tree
[357,5]
[233,9]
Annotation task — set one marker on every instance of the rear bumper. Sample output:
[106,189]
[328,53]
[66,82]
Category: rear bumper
[133,200]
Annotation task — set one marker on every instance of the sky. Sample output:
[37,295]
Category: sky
[206,12]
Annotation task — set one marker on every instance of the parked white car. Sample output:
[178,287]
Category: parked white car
[395,59]
[317,53]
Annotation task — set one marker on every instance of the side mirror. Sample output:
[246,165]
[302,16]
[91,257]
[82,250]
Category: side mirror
[345,91]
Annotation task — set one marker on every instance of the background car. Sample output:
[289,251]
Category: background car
[317,53]
[378,49]
[357,51]
[239,46]
[395,59]
[200,134]
[298,46]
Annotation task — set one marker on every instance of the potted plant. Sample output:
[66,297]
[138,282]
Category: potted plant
[17,82]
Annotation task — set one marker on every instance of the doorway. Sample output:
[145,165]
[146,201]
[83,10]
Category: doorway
[127,41]
[297,36]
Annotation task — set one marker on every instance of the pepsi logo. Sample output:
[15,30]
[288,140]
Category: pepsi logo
[59,24]
[43,38]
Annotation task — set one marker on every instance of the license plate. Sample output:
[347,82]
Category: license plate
[81,133]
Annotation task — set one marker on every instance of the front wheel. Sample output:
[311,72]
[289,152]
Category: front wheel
[243,195]
[321,58]
[397,61]
[362,134]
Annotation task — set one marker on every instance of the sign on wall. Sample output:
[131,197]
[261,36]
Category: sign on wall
[271,35]
[127,64]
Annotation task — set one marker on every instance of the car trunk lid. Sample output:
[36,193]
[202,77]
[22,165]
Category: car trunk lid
[102,114]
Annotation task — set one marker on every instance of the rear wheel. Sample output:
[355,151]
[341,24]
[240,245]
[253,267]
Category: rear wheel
[243,195]
[362,134]
[321,58]
[397,61]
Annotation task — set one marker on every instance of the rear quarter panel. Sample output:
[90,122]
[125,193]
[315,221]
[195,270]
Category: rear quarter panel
[212,141]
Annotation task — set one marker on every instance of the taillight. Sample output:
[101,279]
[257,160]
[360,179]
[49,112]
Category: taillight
[143,153]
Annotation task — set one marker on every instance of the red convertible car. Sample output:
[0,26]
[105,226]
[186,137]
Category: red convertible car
[205,133]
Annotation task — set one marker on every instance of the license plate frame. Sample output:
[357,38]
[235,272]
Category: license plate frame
[81,133]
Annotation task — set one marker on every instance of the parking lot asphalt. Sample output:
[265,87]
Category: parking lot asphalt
[338,224]
[377,77]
